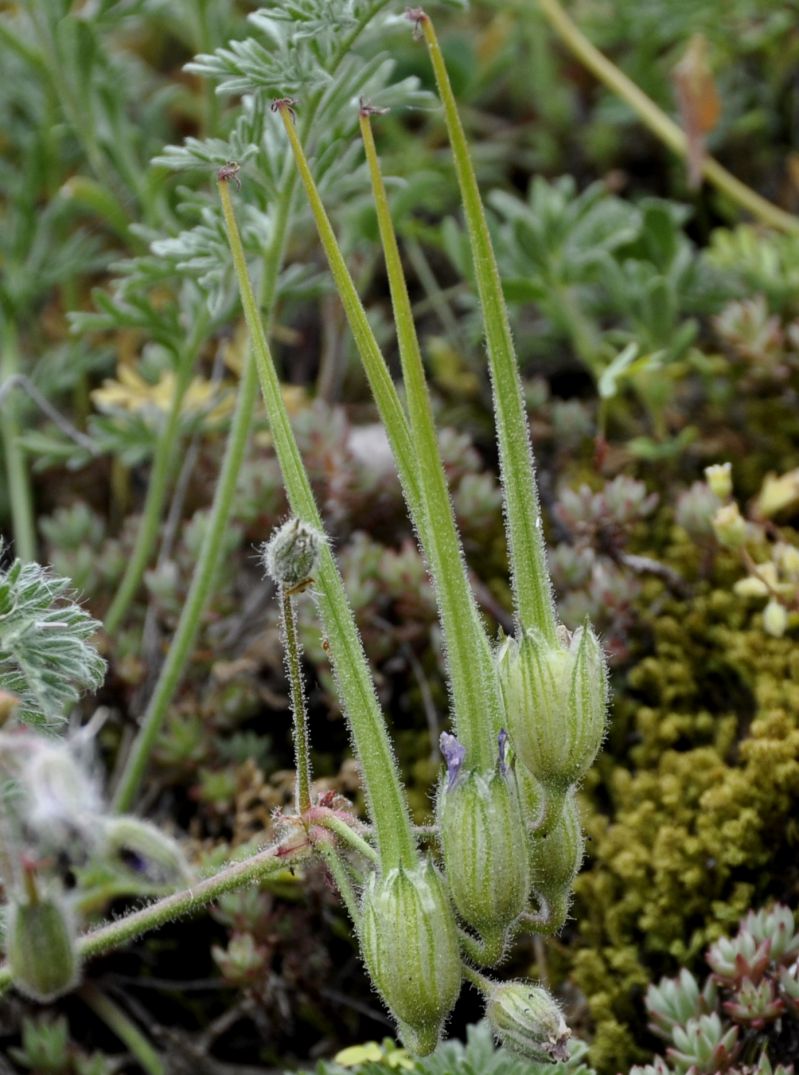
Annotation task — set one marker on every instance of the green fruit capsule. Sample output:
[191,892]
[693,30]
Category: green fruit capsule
[525,1018]
[555,699]
[555,860]
[409,942]
[484,843]
[40,947]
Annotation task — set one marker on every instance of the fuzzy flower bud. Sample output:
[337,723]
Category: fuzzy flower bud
[556,857]
[775,618]
[719,478]
[409,942]
[40,946]
[555,699]
[61,806]
[292,553]
[484,843]
[729,526]
[526,1018]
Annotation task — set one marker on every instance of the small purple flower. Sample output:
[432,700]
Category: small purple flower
[453,754]
[503,746]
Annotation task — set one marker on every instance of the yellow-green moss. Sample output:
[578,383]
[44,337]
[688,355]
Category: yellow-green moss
[702,776]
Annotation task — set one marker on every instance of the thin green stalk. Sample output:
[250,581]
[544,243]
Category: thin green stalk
[487,952]
[385,799]
[125,1029]
[531,587]
[341,879]
[95,900]
[19,490]
[349,836]
[380,382]
[199,592]
[472,673]
[549,920]
[115,934]
[661,125]
[160,474]
[478,980]
[302,751]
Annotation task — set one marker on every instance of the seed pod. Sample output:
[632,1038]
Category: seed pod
[291,554]
[525,1018]
[556,857]
[409,943]
[555,697]
[40,947]
[484,842]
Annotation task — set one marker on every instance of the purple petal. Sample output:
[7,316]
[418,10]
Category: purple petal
[453,754]
[503,746]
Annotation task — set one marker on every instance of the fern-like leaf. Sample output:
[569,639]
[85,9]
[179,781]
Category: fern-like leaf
[46,658]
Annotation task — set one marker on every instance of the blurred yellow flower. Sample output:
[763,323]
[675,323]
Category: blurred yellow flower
[371,1052]
[131,392]
[778,493]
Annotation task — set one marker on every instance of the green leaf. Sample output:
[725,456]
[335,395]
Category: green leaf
[46,657]
[608,384]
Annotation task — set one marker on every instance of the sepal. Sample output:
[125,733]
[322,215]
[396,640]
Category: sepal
[484,843]
[409,942]
[40,945]
[555,697]
[526,1018]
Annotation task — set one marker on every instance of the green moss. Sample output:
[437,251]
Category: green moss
[702,781]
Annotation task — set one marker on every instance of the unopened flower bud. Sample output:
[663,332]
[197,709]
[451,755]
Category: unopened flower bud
[62,801]
[556,857]
[526,1018]
[729,526]
[40,946]
[787,556]
[751,586]
[409,942]
[719,478]
[555,697]
[484,842]
[292,553]
[775,618]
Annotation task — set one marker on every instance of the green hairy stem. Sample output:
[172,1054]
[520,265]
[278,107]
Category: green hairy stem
[202,584]
[302,752]
[475,691]
[384,794]
[113,935]
[415,448]
[162,470]
[529,576]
